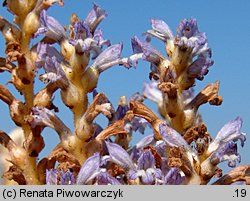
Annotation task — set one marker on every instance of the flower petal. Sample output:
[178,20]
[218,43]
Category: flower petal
[161,148]
[98,37]
[44,50]
[89,170]
[147,178]
[51,177]
[187,28]
[109,55]
[161,28]
[119,156]
[132,174]
[105,178]
[149,53]
[81,30]
[95,16]
[67,178]
[172,137]
[188,35]
[226,152]
[147,140]
[151,91]
[121,111]
[50,27]
[146,160]
[199,68]
[230,131]
[173,177]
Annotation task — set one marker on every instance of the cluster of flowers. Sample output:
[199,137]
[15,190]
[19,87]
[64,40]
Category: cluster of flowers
[179,151]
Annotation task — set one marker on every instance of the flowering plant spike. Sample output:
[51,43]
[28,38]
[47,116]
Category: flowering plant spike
[179,148]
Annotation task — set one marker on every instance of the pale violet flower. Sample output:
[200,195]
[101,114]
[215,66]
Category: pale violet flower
[226,152]
[146,170]
[151,91]
[95,16]
[67,178]
[119,156]
[51,177]
[160,30]
[50,27]
[230,131]
[174,177]
[172,137]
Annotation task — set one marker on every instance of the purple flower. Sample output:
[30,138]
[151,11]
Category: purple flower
[42,117]
[44,50]
[119,156]
[146,170]
[137,124]
[95,16]
[52,61]
[151,91]
[146,160]
[172,137]
[81,30]
[45,118]
[226,152]
[199,68]
[105,178]
[160,30]
[229,132]
[67,178]
[108,58]
[161,147]
[164,165]
[189,36]
[173,177]
[84,40]
[87,37]
[187,28]
[98,129]
[50,27]
[98,37]
[89,44]
[145,51]
[51,177]
[89,170]
[147,140]
[121,111]
[53,70]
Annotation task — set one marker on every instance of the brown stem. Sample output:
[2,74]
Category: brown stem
[6,65]
[5,95]
[93,110]
[44,97]
[240,173]
[6,141]
[140,110]
[6,28]
[114,129]
[208,94]
[21,159]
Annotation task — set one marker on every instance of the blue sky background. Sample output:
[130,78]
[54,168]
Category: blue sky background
[226,23]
